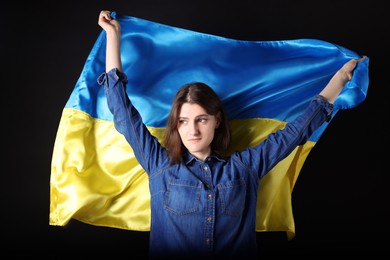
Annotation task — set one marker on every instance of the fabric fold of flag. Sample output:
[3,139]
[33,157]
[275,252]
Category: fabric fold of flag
[95,177]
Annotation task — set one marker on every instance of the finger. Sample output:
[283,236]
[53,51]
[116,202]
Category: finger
[362,58]
[106,14]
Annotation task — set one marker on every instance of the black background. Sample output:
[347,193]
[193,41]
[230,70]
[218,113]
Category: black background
[340,200]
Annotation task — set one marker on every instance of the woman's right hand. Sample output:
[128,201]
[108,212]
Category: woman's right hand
[107,22]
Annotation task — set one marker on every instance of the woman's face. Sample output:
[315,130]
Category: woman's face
[196,129]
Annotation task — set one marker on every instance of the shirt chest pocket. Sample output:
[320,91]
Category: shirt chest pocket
[233,194]
[182,196]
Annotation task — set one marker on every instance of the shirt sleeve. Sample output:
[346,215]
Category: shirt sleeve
[278,145]
[128,122]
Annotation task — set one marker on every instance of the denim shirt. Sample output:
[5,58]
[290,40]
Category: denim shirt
[205,208]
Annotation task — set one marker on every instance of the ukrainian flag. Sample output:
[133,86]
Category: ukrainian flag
[95,177]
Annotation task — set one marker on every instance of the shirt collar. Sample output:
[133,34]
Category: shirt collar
[188,157]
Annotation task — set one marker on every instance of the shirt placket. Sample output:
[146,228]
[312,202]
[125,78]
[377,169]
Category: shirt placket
[210,206]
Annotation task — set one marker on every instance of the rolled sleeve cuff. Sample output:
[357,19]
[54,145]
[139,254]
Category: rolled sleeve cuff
[328,107]
[111,78]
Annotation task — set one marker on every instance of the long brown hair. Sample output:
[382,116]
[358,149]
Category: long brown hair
[203,95]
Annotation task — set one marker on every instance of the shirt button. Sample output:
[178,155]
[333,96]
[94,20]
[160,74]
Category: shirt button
[209,219]
[205,168]
[208,241]
[210,196]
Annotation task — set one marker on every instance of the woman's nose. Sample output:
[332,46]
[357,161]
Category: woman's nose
[193,128]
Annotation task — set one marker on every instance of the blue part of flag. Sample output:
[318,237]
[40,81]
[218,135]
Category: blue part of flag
[255,79]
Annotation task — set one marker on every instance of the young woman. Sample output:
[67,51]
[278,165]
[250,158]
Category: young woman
[203,204]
